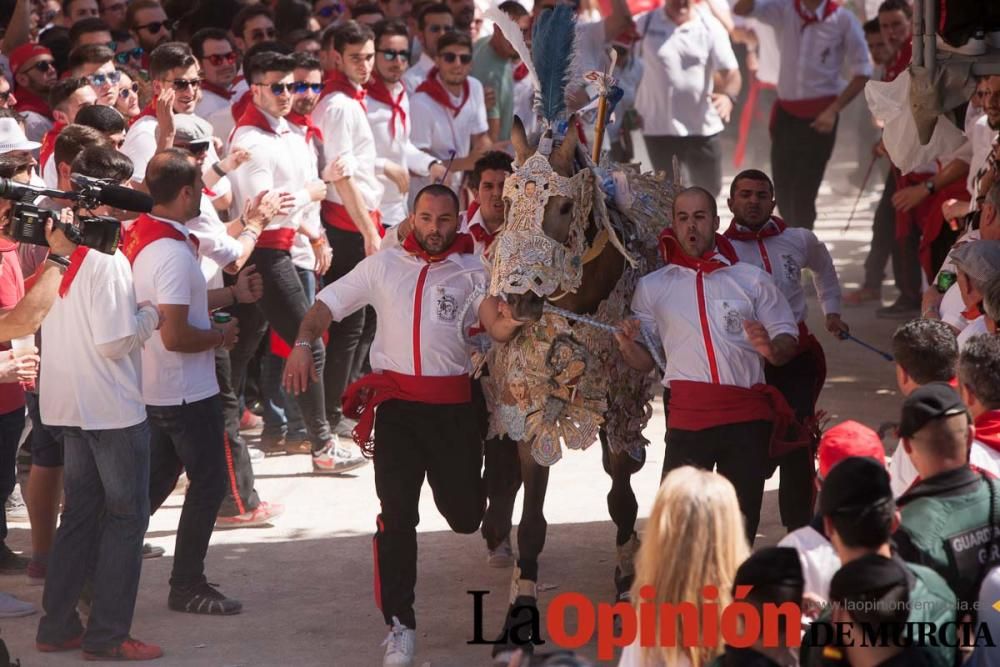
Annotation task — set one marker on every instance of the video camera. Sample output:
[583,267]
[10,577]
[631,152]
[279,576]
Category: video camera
[99,232]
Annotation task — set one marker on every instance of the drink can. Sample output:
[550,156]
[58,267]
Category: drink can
[945,280]
[222,318]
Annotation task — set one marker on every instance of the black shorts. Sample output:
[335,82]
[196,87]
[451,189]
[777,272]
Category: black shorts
[44,442]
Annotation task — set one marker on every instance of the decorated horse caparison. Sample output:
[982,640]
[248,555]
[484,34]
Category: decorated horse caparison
[575,241]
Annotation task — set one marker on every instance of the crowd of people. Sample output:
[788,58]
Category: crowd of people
[324,182]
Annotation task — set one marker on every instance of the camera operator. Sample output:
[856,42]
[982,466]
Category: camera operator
[179,384]
[93,336]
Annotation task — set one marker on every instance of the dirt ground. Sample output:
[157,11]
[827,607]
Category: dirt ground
[306,582]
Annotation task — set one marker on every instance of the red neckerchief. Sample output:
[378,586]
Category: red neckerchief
[306,121]
[29,101]
[49,143]
[75,262]
[380,92]
[241,105]
[338,82]
[988,429]
[471,211]
[810,19]
[148,112]
[765,231]
[434,89]
[254,117]
[463,244]
[147,229]
[900,63]
[973,312]
[520,71]
[218,90]
[672,253]
[482,235]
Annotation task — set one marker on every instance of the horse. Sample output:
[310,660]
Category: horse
[577,368]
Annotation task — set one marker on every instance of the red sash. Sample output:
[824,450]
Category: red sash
[146,230]
[75,262]
[306,121]
[804,109]
[361,398]
[227,93]
[988,429]
[337,82]
[29,101]
[433,87]
[927,216]
[49,144]
[672,253]
[462,244]
[379,92]
[277,239]
[335,215]
[811,19]
[520,71]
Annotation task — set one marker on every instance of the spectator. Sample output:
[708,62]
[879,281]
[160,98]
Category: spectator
[96,64]
[434,21]
[492,66]
[367,14]
[486,215]
[77,10]
[113,12]
[150,25]
[106,120]
[90,31]
[306,41]
[128,53]
[7,99]
[976,264]
[34,72]
[128,97]
[328,11]
[397,9]
[291,16]
[979,385]
[252,25]
[218,59]
[991,305]
[67,98]
[464,12]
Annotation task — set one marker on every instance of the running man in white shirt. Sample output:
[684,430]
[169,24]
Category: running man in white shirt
[434,21]
[719,320]
[762,239]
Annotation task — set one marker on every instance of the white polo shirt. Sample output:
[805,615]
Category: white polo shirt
[398,149]
[679,62]
[417,333]
[302,252]
[814,57]
[166,272]
[784,256]
[84,388]
[673,301]
[216,248]
[211,102]
[140,145]
[443,134]
[346,134]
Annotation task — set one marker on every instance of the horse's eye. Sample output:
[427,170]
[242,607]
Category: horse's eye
[566,208]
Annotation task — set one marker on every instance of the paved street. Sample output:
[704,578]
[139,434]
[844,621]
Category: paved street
[306,583]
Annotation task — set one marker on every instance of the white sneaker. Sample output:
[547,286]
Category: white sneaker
[15,508]
[335,459]
[400,645]
[976,46]
[11,607]
[502,556]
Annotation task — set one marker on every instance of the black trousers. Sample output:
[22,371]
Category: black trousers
[904,253]
[189,437]
[502,476]
[700,159]
[283,306]
[241,496]
[351,337]
[738,452]
[798,161]
[414,440]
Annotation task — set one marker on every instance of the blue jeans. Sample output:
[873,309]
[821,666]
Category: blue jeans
[282,416]
[11,426]
[104,519]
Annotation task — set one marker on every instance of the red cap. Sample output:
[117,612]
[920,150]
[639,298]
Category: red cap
[845,440]
[24,53]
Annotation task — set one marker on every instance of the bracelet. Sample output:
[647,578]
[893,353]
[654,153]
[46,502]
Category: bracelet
[58,260]
[318,241]
[219,170]
[249,232]
[302,343]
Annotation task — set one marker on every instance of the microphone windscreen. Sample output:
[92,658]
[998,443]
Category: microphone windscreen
[126,199]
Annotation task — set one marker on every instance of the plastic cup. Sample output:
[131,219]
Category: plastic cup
[24,343]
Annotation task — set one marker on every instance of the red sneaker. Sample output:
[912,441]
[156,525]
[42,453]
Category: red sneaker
[130,649]
[68,645]
[249,420]
[259,516]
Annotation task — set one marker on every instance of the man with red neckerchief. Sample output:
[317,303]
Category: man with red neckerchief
[220,86]
[762,239]
[486,214]
[718,320]
[979,386]
[425,424]
[34,72]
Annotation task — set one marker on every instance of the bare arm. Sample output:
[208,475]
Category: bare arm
[777,351]
[854,86]
[25,318]
[299,368]
[743,7]
[496,318]
[354,203]
[729,82]
[635,354]
[179,336]
[19,28]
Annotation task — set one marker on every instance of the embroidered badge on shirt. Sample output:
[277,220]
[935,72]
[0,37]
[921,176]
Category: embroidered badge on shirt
[445,305]
[733,319]
[793,272]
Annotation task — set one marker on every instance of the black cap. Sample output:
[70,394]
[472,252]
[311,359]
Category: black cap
[854,484]
[775,574]
[874,589]
[936,400]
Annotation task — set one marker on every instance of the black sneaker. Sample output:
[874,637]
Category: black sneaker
[12,563]
[203,598]
[903,309]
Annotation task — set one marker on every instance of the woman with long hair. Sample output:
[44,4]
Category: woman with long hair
[694,537]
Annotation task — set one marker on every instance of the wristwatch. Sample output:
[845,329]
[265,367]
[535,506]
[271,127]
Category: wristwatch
[217,168]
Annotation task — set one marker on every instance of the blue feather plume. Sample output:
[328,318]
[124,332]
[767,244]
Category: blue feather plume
[552,53]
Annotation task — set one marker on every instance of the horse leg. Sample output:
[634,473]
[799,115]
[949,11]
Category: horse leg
[521,626]
[624,509]
[503,478]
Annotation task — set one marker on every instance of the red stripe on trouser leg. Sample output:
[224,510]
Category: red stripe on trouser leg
[378,576]
[231,471]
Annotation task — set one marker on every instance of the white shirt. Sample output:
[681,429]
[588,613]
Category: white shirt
[467,223]
[903,473]
[140,145]
[679,62]
[814,57]
[83,387]
[387,281]
[50,175]
[666,303]
[216,248]
[212,102]
[445,135]
[346,134]
[303,255]
[417,72]
[398,149]
[976,327]
[166,272]
[818,557]
[784,256]
[981,139]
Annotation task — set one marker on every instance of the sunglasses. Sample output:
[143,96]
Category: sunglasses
[156,26]
[220,59]
[132,54]
[131,90]
[450,57]
[279,88]
[300,87]
[391,55]
[197,148]
[184,84]
[330,10]
[43,65]
[98,80]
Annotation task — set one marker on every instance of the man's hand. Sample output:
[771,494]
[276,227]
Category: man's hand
[159,313]
[907,199]
[317,190]
[758,337]
[400,177]
[258,212]
[335,171]
[723,105]
[324,255]
[230,331]
[878,150]
[20,365]
[403,229]
[165,119]
[56,238]
[438,171]
[953,209]
[489,96]
[299,370]
[825,122]
[249,285]
[628,333]
[235,159]
[835,325]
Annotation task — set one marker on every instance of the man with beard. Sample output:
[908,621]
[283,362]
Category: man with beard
[719,320]
[150,25]
[390,120]
[425,424]
[34,72]
[762,239]
[434,21]
[67,98]
[217,56]
[464,12]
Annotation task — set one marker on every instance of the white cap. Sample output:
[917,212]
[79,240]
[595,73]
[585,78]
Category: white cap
[12,137]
